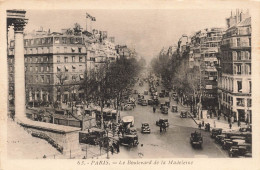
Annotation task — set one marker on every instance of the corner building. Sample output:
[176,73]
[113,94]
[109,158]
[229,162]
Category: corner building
[235,86]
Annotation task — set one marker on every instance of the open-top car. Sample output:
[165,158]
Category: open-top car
[161,121]
[145,128]
[129,140]
[196,139]
[174,108]
[241,150]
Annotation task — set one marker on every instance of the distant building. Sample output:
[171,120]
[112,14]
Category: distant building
[204,49]
[235,86]
[54,65]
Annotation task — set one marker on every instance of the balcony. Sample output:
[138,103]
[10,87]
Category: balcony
[236,45]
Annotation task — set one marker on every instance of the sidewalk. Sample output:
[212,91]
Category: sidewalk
[221,123]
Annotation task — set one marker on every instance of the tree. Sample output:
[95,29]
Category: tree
[61,77]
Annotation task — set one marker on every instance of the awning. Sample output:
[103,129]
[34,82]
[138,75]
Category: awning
[66,67]
[73,66]
[59,67]
[81,76]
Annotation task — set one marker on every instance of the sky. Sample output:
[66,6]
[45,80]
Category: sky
[146,30]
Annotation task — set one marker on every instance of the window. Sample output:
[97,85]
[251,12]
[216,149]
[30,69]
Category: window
[73,49]
[48,77]
[11,68]
[65,49]
[249,102]
[81,77]
[47,68]
[73,68]
[47,58]
[58,68]
[240,102]
[36,68]
[42,78]
[79,50]
[64,40]
[250,87]
[58,49]
[31,51]
[25,68]
[48,49]
[249,42]
[42,50]
[248,69]
[36,50]
[58,59]
[25,59]
[42,59]
[239,86]
[66,68]
[65,59]
[31,68]
[36,78]
[80,59]
[56,40]
[73,58]
[238,42]
[238,55]
[42,69]
[36,59]
[239,69]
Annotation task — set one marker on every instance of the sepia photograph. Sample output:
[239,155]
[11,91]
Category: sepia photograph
[130,84]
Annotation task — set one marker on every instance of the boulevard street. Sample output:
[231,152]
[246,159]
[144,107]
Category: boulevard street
[175,142]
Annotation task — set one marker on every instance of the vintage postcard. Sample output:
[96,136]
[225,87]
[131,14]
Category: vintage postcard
[136,85]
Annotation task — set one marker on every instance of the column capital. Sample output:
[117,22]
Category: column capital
[19,24]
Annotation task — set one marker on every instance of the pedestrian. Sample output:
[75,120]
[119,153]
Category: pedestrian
[112,150]
[238,123]
[209,128]
[117,147]
[202,123]
[199,125]
[230,125]
[154,109]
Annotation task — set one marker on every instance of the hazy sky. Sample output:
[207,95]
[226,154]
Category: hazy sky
[145,30]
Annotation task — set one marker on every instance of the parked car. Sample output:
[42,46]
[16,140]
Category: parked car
[145,128]
[196,139]
[241,150]
[150,102]
[146,92]
[161,95]
[160,121]
[139,101]
[129,140]
[128,107]
[215,132]
[144,102]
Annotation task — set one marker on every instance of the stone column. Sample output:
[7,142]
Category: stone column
[19,69]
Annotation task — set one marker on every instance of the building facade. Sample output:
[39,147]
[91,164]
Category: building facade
[54,65]
[234,83]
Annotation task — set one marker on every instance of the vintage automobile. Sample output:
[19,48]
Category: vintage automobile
[150,102]
[131,131]
[174,95]
[145,128]
[166,94]
[161,95]
[184,114]
[91,137]
[146,92]
[144,102]
[139,101]
[135,92]
[174,108]
[162,105]
[232,141]
[156,101]
[240,150]
[219,138]
[128,107]
[167,103]
[164,110]
[160,121]
[196,139]
[215,132]
[129,140]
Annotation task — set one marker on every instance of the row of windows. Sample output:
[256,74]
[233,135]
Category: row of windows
[67,59]
[36,59]
[229,85]
[239,101]
[236,55]
[240,69]
[73,68]
[49,40]
[39,79]
[38,69]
